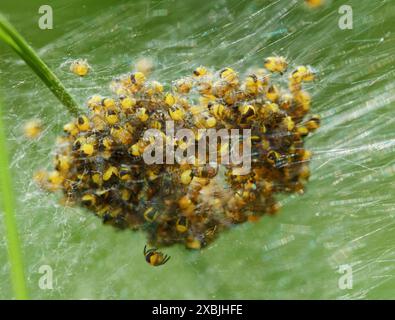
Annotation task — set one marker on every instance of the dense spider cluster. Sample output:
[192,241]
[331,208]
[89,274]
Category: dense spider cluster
[99,161]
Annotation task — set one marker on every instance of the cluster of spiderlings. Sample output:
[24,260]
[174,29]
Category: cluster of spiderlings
[99,162]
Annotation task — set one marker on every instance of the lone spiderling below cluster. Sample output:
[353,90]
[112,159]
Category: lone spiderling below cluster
[99,163]
[154,257]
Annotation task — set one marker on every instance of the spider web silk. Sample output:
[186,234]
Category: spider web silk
[346,216]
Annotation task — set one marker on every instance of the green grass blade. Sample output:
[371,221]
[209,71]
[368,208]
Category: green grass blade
[8,201]
[12,37]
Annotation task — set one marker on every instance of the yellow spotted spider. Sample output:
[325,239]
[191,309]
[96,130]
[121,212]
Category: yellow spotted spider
[155,258]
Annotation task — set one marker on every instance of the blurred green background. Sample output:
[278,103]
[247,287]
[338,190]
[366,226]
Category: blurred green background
[346,216]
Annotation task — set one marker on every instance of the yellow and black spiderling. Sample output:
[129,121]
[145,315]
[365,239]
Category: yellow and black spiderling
[314,3]
[154,257]
[80,67]
[99,163]
[32,129]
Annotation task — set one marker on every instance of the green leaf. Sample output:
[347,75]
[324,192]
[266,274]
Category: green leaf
[8,201]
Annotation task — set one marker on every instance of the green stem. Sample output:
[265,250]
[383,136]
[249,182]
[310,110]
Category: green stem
[12,37]
[8,201]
